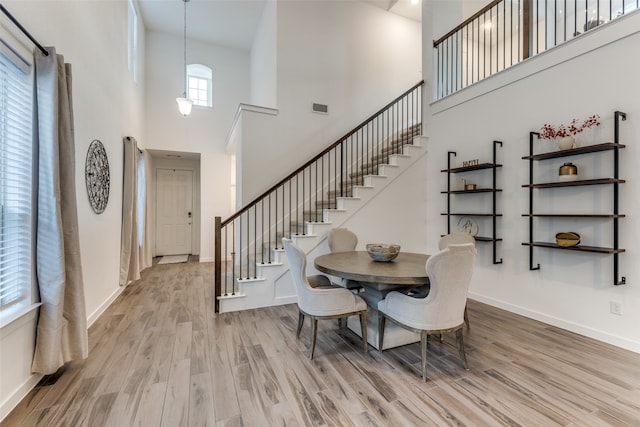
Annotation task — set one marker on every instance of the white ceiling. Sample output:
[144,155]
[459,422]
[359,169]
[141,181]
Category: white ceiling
[230,22]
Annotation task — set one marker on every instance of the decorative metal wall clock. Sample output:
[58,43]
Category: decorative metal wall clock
[96,174]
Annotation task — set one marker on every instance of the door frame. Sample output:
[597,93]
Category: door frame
[195,200]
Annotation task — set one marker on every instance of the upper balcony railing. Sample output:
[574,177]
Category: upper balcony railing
[506,32]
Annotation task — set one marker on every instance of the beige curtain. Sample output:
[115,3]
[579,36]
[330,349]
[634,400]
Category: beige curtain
[145,202]
[135,254]
[62,323]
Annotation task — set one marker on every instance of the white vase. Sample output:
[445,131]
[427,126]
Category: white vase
[566,142]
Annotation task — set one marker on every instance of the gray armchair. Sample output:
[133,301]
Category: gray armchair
[343,240]
[457,238]
[442,310]
[321,302]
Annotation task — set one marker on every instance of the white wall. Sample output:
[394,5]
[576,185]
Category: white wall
[349,55]
[263,58]
[594,73]
[204,131]
[92,36]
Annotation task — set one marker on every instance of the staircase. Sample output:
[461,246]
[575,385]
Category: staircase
[250,270]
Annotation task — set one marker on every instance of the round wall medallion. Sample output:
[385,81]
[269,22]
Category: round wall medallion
[96,174]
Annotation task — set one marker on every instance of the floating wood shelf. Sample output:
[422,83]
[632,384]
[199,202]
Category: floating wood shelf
[574,151]
[579,248]
[470,214]
[472,168]
[572,216]
[477,190]
[597,181]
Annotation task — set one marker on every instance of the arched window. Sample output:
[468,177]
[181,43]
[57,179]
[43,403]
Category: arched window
[200,78]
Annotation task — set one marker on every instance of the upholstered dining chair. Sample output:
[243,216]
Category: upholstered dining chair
[343,240]
[321,302]
[442,310]
[457,238]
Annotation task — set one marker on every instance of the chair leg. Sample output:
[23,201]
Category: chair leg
[363,327]
[466,317]
[423,350]
[381,322]
[314,334]
[461,349]
[300,322]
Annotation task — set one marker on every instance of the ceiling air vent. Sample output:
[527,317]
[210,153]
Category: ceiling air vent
[320,108]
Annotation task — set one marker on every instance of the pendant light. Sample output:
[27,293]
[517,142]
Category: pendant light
[184,103]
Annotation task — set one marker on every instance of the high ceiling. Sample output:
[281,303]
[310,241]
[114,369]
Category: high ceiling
[230,22]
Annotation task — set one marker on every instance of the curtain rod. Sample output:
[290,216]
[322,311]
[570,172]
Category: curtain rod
[24,30]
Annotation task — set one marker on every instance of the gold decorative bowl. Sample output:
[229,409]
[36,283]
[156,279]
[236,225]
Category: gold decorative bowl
[383,252]
[568,172]
[566,239]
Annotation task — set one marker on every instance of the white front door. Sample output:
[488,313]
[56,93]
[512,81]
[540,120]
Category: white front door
[174,211]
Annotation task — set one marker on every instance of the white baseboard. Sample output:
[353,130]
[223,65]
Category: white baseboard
[596,334]
[96,314]
[206,259]
[21,392]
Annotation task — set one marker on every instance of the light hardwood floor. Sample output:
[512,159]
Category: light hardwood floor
[159,356]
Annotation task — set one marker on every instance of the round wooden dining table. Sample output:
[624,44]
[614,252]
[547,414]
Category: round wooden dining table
[405,272]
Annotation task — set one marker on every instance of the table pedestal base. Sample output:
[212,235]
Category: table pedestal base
[394,335]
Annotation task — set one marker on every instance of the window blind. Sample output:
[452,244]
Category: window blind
[16,170]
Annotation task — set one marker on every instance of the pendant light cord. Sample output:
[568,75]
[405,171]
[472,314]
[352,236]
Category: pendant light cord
[184,70]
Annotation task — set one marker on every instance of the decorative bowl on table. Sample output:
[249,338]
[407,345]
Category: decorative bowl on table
[383,252]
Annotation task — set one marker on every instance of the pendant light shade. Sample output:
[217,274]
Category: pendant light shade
[184,103]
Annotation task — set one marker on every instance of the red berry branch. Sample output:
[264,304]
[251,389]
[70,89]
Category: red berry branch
[550,132]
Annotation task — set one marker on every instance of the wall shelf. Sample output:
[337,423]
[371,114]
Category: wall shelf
[491,190]
[612,181]
[598,181]
[582,248]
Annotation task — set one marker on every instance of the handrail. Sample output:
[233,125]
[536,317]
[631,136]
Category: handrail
[467,22]
[318,156]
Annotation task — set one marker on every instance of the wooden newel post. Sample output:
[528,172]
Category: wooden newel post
[217,274]
[527,28]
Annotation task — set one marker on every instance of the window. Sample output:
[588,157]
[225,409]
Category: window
[16,167]
[200,78]
[132,43]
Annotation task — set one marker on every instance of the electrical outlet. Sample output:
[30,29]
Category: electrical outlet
[616,307]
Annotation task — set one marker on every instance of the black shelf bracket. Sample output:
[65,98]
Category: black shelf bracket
[619,117]
[449,155]
[495,238]
[532,135]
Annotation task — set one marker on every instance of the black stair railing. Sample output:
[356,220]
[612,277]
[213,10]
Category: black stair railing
[507,32]
[250,236]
